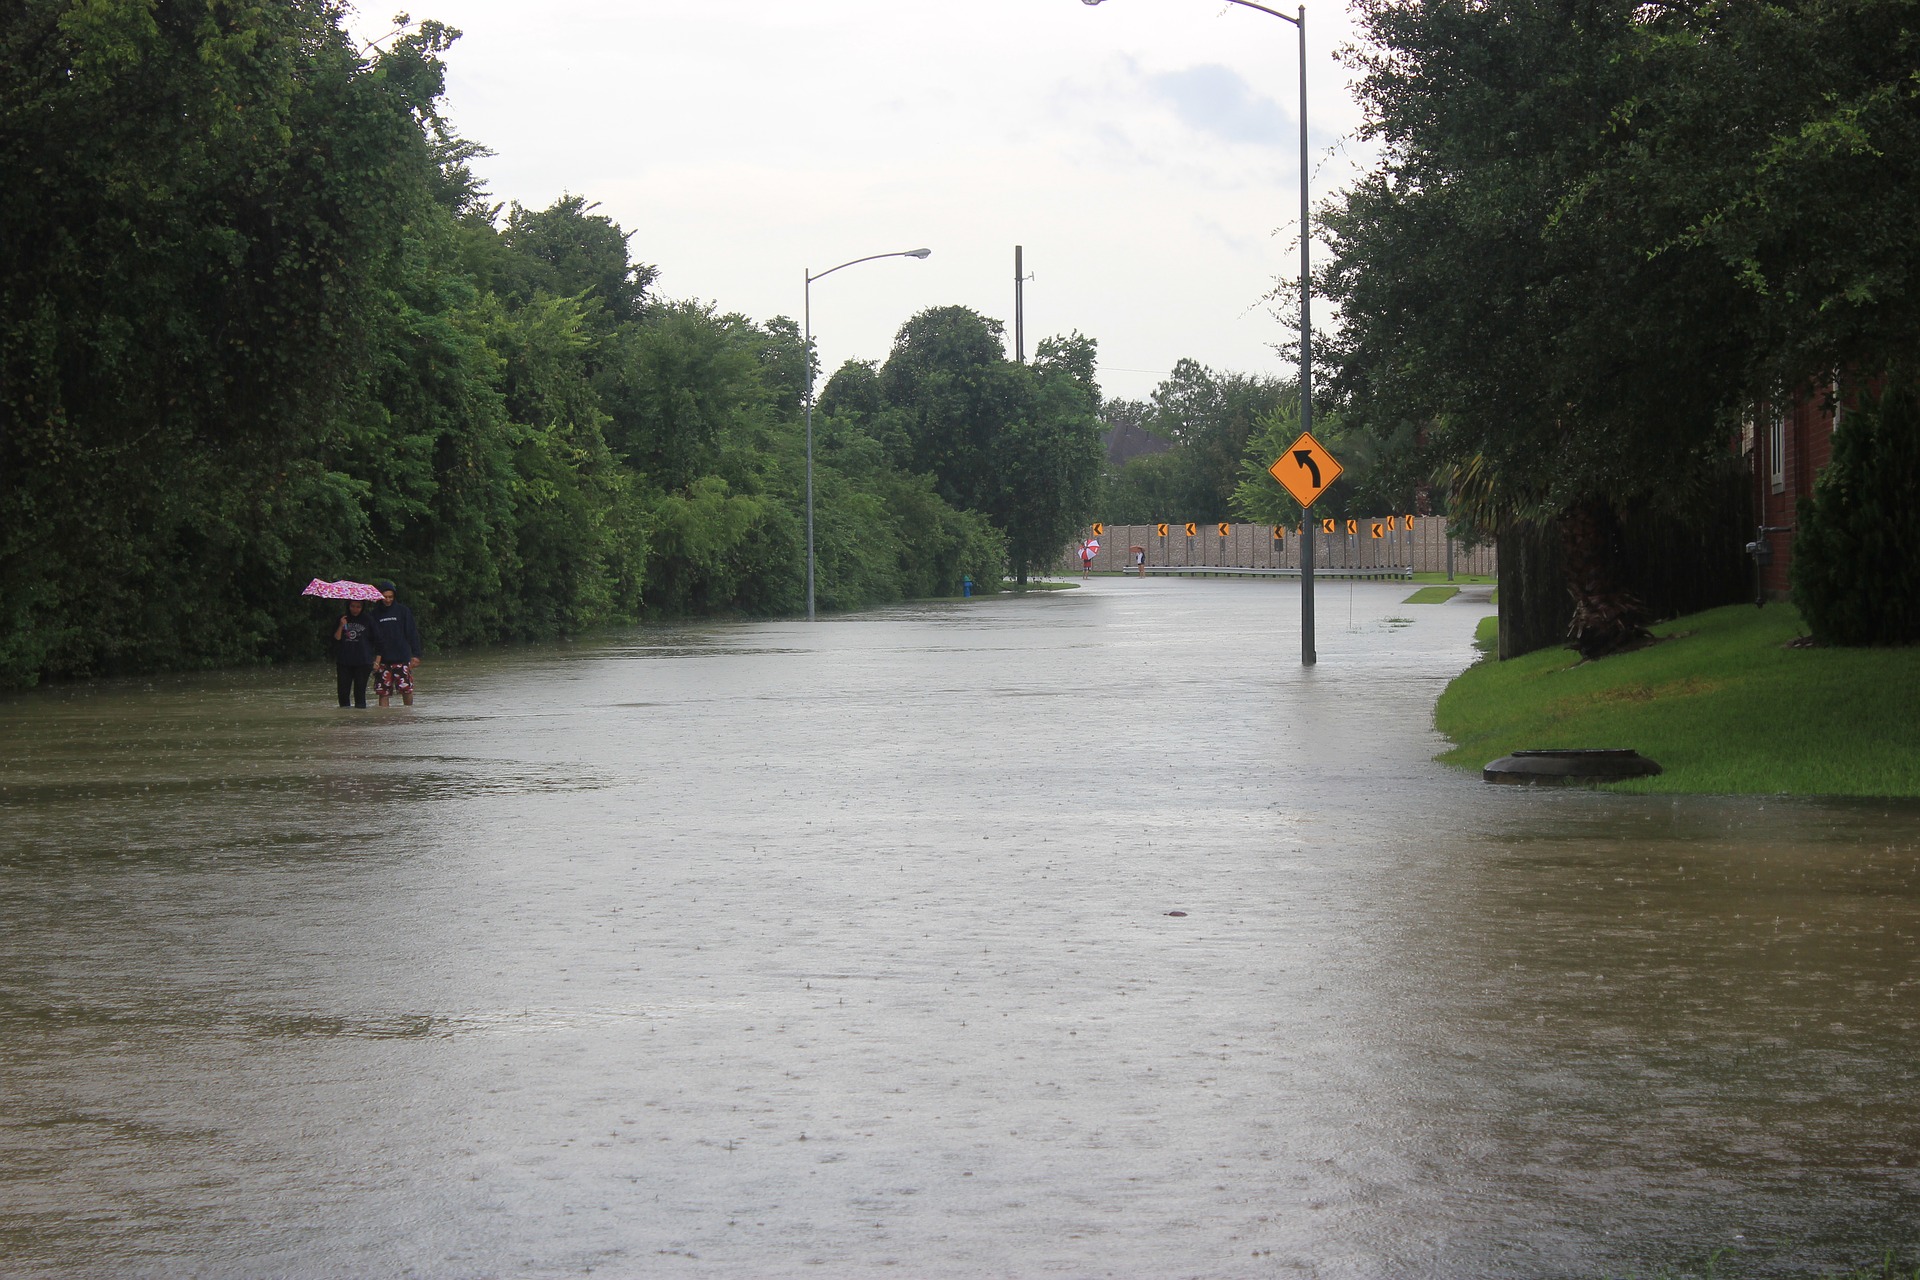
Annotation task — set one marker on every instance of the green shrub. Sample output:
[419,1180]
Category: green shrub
[1856,578]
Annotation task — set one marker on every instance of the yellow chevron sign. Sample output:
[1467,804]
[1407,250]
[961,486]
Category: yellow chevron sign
[1305,469]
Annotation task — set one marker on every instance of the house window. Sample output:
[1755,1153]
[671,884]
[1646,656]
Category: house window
[1777,448]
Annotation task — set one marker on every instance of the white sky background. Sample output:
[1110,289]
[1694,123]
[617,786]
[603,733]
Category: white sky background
[1145,153]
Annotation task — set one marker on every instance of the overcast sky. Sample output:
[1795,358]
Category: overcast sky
[1145,153]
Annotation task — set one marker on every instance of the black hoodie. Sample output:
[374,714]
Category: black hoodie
[395,634]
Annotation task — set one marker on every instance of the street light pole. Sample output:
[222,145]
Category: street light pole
[1307,655]
[807,313]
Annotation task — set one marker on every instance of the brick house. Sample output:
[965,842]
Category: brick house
[1787,447]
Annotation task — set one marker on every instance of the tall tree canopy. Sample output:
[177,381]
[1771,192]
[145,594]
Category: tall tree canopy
[259,322]
[1594,236]
[200,212]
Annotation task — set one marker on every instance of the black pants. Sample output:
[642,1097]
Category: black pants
[353,680]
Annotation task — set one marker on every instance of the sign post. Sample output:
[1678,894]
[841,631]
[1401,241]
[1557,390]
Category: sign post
[1306,470]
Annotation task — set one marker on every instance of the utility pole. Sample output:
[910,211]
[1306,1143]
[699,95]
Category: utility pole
[1019,309]
[1308,655]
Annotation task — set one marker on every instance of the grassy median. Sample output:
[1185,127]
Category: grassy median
[1721,702]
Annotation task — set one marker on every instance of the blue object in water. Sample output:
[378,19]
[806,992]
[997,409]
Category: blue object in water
[966,585]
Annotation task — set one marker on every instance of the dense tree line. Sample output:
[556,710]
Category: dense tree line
[261,323]
[1603,230]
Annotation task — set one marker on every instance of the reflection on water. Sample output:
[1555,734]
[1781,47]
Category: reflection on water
[847,949]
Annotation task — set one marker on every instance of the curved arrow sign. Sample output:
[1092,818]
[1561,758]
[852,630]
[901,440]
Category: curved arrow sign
[1305,469]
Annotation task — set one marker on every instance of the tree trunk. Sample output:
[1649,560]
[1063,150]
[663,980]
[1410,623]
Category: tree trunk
[1607,617]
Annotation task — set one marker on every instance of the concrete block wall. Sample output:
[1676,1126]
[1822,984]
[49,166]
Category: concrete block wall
[1253,546]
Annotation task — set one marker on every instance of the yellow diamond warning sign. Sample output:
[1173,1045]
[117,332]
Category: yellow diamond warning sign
[1305,469]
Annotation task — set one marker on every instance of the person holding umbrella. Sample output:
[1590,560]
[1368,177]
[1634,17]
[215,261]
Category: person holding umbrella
[353,653]
[353,650]
[396,647]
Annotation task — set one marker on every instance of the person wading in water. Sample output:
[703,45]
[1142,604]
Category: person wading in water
[353,654]
[396,647]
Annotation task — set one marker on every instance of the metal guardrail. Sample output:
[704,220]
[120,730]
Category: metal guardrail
[1401,572]
[1427,547]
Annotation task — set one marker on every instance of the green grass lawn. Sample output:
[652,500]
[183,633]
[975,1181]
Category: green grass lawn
[1482,579]
[1723,706]
[1486,636]
[1432,595]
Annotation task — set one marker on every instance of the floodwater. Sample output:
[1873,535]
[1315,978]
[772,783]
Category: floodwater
[857,949]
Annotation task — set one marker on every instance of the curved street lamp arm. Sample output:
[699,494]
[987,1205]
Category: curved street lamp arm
[904,253]
[1249,4]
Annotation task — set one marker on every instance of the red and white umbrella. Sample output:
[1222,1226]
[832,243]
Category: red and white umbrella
[1090,548]
[342,590]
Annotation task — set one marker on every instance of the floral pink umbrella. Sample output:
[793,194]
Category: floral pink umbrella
[342,590]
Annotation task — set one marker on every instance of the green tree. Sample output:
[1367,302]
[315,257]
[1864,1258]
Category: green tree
[198,211]
[1783,139]
[1018,443]
[1490,291]
[1049,460]
[676,385]
[949,389]
[567,249]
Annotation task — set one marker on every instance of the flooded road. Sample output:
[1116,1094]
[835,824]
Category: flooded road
[857,949]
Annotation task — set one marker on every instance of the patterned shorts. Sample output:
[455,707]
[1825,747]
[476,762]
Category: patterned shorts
[388,681]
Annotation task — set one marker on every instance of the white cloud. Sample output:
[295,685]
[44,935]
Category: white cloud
[1214,99]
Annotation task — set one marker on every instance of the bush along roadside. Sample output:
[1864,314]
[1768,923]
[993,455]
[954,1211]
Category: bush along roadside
[1855,576]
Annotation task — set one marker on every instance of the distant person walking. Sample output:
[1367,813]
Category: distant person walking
[396,647]
[353,654]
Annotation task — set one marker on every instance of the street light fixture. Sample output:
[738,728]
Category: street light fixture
[811,277]
[1307,655]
